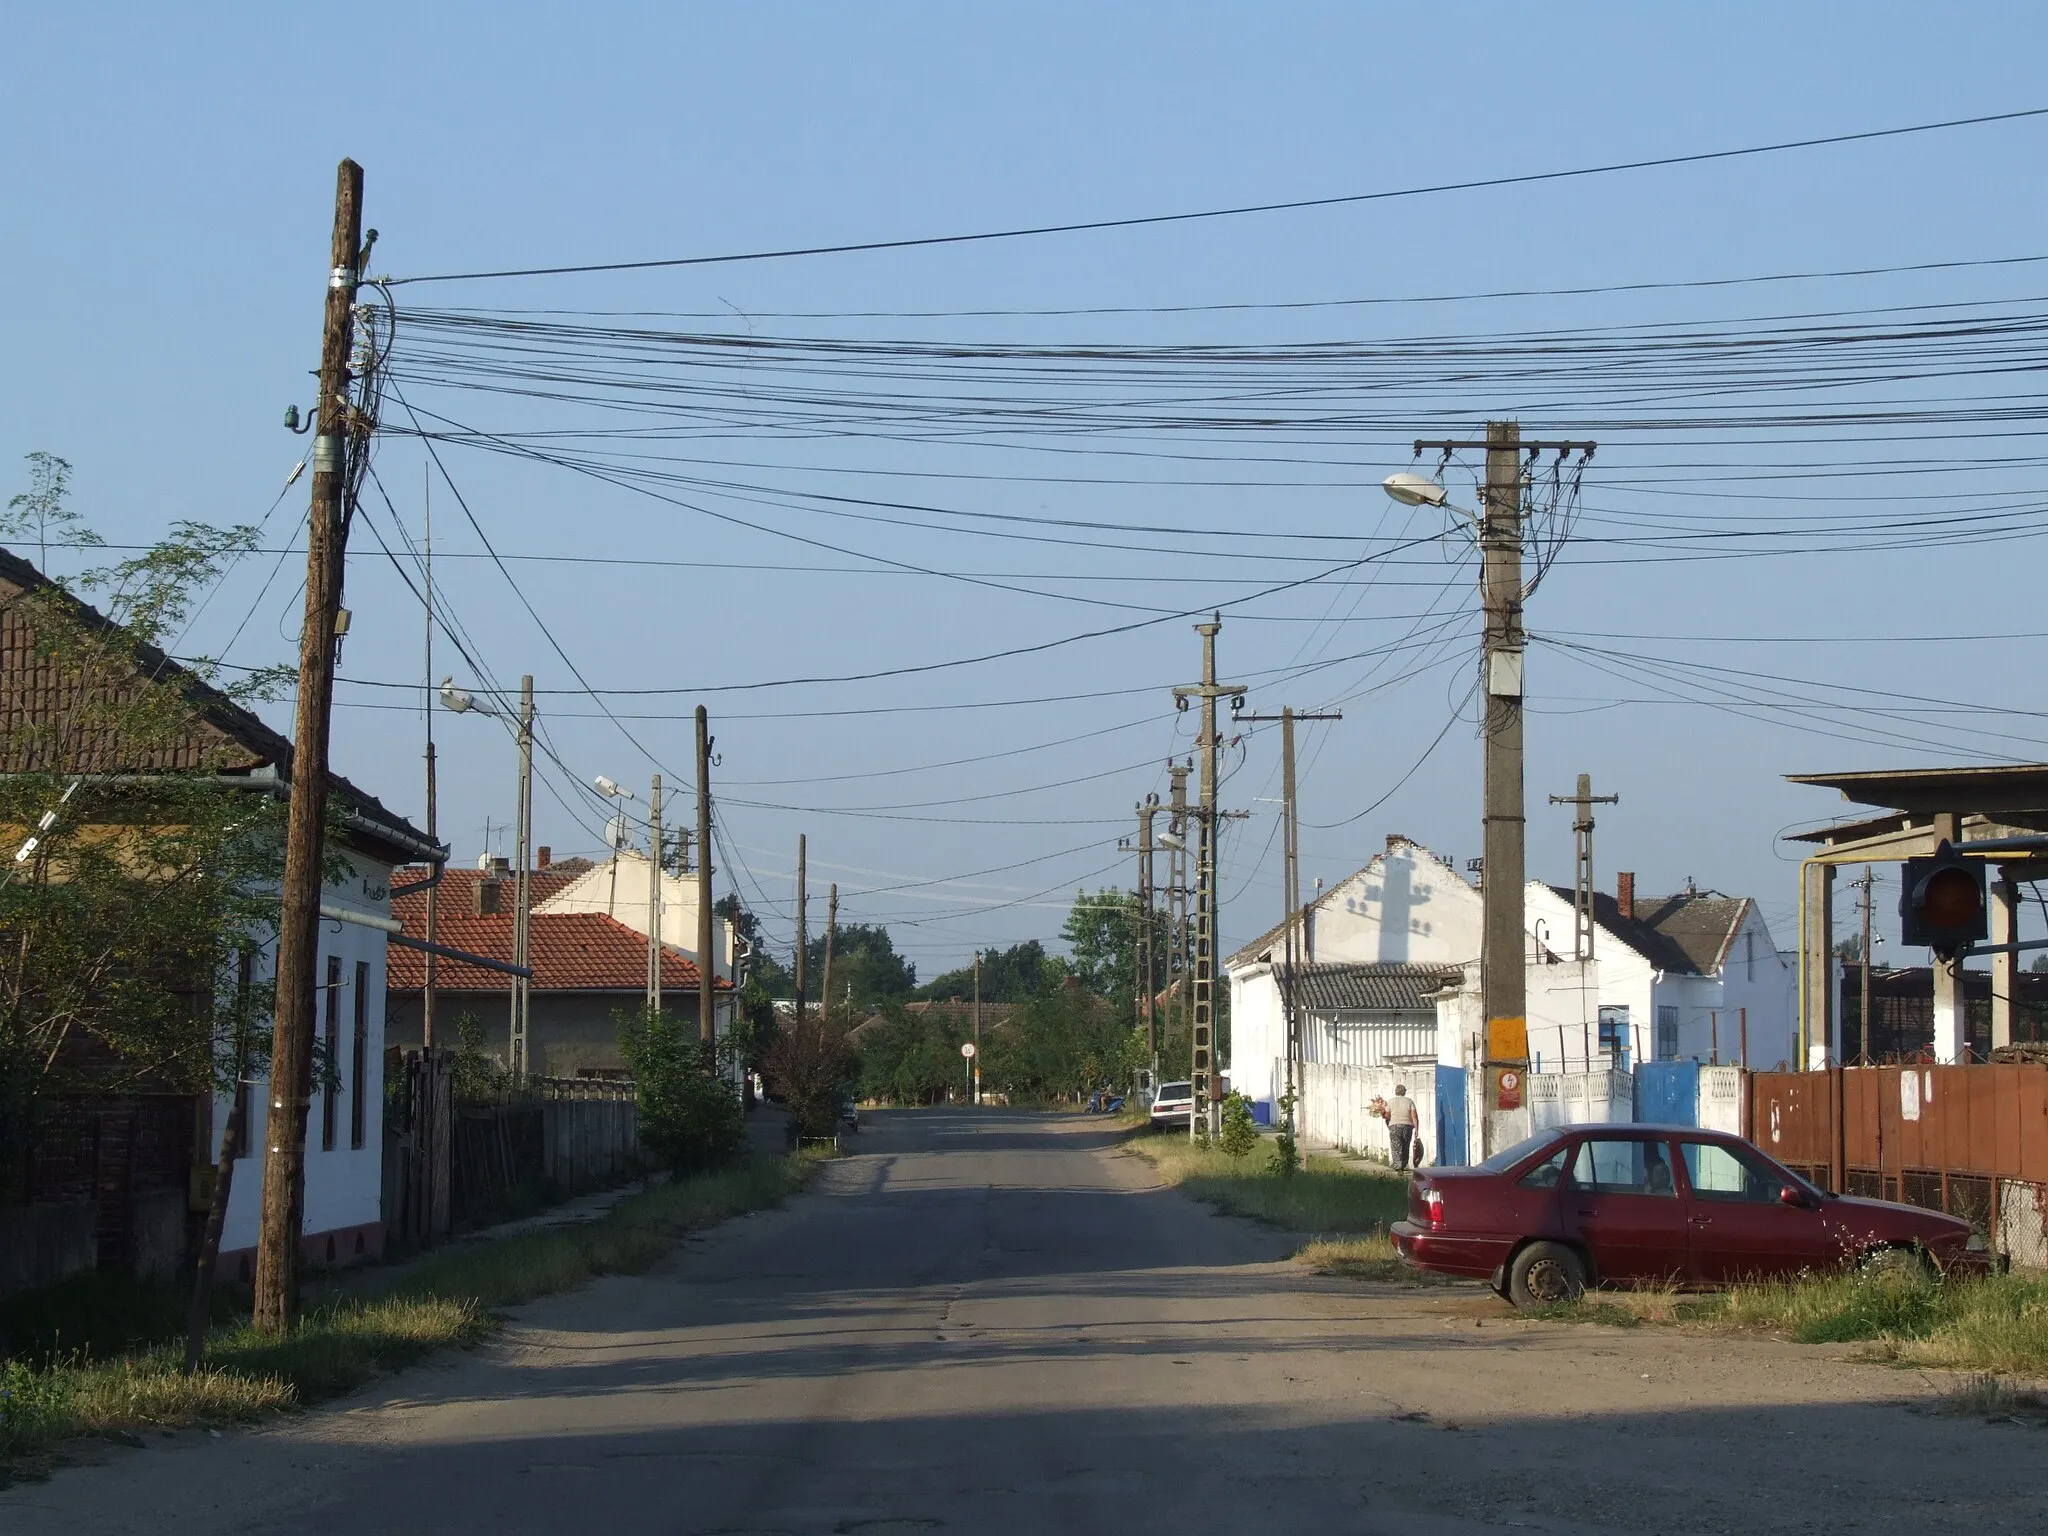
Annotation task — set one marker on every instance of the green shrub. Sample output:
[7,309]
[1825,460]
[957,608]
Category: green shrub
[1240,1131]
[690,1119]
[1286,1150]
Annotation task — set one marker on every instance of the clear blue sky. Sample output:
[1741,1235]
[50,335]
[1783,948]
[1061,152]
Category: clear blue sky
[163,227]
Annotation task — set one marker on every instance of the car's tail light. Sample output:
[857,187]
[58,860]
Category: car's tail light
[1433,1206]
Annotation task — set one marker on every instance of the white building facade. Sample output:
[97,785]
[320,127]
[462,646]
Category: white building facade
[1695,976]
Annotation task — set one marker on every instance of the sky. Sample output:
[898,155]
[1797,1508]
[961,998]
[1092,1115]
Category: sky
[164,220]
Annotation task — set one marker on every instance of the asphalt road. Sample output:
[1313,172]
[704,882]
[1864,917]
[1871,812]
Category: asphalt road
[997,1323]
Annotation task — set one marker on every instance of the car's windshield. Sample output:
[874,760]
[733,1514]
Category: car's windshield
[1176,1090]
[1507,1157]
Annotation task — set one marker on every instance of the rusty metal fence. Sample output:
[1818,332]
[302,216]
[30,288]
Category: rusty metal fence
[1969,1140]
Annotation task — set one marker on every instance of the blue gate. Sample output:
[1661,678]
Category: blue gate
[1451,1151]
[1667,1092]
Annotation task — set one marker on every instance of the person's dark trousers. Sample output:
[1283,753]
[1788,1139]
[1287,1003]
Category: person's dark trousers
[1402,1136]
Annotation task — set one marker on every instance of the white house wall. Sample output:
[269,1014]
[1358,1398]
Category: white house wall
[619,889]
[344,1186]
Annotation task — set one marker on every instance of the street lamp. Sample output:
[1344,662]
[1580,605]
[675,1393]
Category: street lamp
[462,702]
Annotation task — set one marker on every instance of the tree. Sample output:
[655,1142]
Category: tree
[865,967]
[810,1065]
[122,929]
[688,1117]
[1104,933]
[1013,975]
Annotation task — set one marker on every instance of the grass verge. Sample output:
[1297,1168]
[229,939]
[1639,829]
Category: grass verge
[1992,1323]
[445,1301]
[1346,1205]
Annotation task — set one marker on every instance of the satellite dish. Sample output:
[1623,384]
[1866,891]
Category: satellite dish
[618,832]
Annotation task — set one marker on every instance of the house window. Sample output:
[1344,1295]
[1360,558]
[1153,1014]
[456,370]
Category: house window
[1614,1032]
[1667,1032]
[359,1059]
[332,1037]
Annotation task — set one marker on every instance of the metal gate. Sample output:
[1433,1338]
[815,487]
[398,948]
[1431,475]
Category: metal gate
[1668,1093]
[1451,1147]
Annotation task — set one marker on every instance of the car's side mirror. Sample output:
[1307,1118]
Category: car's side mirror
[1792,1195]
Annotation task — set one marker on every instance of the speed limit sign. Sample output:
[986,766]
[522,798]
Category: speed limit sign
[967,1050]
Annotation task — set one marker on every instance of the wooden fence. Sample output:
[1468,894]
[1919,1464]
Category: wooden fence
[452,1163]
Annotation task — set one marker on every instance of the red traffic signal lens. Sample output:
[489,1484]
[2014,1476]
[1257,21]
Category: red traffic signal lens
[1951,899]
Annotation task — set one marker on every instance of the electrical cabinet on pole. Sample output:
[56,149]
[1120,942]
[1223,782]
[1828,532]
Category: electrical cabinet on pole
[1207,1065]
[282,1219]
[707,962]
[1504,944]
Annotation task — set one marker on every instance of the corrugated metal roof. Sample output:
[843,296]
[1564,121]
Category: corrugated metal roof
[1385,988]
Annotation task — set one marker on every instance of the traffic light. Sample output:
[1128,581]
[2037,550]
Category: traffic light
[1941,902]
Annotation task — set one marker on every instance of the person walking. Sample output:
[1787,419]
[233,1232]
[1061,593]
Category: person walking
[1401,1123]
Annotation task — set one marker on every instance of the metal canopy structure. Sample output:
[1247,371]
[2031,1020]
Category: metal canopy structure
[1997,813]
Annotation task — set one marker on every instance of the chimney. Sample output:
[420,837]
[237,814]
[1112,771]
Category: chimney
[543,856]
[488,891]
[1625,894]
[501,868]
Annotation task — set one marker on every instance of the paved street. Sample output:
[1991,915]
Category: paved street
[997,1323]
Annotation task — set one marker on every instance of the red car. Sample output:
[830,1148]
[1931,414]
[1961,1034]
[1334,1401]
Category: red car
[1653,1204]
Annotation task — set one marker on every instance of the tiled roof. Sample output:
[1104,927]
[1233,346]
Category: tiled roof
[38,694]
[1684,935]
[570,951]
[1383,988]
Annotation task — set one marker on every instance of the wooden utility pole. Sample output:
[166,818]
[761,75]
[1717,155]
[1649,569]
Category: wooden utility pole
[831,934]
[1290,890]
[1504,944]
[803,937]
[522,887]
[1208,825]
[707,963]
[282,1219]
[974,1090]
[654,896]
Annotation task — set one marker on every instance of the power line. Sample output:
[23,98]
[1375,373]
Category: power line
[1030,231]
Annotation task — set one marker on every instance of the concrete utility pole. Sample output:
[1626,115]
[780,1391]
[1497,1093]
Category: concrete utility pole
[654,897]
[803,938]
[974,1091]
[1147,982]
[1867,885]
[1504,949]
[427,985]
[1582,866]
[1290,889]
[1180,962]
[831,937]
[522,885]
[1207,1068]
[298,939]
[707,963]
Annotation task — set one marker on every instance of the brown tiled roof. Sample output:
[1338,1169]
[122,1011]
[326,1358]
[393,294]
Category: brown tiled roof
[570,951]
[37,692]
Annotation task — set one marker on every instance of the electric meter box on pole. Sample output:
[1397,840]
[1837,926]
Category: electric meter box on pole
[1942,903]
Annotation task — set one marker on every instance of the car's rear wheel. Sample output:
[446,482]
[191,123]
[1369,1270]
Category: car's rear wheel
[1546,1275]
[1896,1264]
